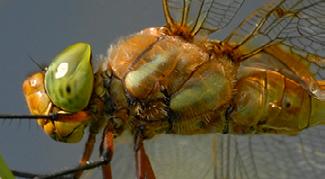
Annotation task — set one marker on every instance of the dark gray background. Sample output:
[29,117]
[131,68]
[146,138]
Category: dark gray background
[41,28]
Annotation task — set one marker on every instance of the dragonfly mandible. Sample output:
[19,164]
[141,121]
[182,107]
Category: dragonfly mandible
[252,139]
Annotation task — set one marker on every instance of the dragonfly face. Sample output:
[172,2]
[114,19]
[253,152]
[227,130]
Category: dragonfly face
[39,103]
[276,106]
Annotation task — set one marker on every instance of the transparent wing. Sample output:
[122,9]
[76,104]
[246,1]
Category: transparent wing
[226,156]
[231,156]
[190,17]
[293,32]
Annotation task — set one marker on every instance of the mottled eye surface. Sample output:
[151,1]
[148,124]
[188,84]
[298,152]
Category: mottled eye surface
[69,78]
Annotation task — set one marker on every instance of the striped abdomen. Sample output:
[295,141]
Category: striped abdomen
[268,102]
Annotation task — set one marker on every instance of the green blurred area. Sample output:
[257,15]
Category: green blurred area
[5,172]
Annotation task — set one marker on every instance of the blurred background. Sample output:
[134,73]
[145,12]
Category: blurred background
[41,28]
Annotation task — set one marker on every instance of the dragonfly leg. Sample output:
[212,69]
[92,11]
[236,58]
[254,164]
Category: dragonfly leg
[143,166]
[227,119]
[89,146]
[64,173]
[106,151]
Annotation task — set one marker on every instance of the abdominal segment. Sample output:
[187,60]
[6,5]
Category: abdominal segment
[268,102]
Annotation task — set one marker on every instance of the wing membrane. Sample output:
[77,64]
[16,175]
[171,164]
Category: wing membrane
[238,156]
[293,32]
[190,17]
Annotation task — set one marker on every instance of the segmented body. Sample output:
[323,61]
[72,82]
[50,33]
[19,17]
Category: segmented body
[164,84]
[269,102]
[172,79]
[168,85]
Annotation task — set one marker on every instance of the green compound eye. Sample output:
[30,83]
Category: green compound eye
[69,78]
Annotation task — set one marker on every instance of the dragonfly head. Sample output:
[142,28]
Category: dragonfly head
[39,103]
[66,87]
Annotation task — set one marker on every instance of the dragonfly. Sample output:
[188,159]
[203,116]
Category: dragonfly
[279,12]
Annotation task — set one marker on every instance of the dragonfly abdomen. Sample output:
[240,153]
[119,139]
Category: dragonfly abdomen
[269,102]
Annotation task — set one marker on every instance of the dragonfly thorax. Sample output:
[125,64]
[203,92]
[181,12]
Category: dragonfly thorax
[167,84]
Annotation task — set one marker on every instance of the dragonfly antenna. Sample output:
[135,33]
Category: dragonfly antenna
[41,67]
